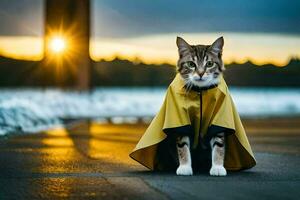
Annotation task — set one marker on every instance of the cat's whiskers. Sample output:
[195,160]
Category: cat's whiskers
[187,85]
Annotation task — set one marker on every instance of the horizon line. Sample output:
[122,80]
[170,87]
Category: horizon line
[138,61]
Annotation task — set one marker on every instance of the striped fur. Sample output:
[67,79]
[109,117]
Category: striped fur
[217,144]
[184,156]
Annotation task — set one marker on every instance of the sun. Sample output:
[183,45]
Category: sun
[57,44]
[61,50]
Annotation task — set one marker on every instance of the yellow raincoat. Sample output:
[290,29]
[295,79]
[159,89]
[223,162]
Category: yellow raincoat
[201,115]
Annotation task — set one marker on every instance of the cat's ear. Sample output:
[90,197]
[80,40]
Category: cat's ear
[183,46]
[217,46]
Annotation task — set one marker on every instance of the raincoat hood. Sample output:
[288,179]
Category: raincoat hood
[201,115]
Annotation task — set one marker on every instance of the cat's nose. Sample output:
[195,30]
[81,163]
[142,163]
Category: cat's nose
[200,73]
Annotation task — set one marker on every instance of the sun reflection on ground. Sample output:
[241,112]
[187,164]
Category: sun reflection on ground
[58,152]
[105,137]
[57,137]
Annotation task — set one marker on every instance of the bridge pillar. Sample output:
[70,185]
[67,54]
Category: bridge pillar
[67,32]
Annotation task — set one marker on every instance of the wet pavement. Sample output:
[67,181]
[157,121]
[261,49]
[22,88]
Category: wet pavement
[90,161]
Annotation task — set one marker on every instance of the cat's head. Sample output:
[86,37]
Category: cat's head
[200,65]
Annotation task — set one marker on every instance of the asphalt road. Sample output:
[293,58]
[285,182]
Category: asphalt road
[90,161]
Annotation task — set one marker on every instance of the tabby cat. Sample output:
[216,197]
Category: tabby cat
[200,66]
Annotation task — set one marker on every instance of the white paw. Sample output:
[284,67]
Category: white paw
[217,170]
[185,170]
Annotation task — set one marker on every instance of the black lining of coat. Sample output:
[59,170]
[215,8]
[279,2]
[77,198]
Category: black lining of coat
[186,130]
[213,130]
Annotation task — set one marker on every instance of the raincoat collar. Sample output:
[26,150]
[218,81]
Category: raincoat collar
[201,89]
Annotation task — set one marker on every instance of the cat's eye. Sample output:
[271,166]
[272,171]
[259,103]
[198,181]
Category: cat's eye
[191,64]
[209,64]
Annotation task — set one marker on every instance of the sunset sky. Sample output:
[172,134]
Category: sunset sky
[260,31]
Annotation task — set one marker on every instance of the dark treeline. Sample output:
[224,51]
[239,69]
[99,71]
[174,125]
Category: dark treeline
[18,73]
[21,73]
[125,73]
[249,74]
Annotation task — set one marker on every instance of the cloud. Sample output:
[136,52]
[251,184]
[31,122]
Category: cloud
[21,17]
[130,18]
[118,18]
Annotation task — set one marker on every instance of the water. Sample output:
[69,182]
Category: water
[33,110]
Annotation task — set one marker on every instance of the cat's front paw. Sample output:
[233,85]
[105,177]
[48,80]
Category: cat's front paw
[184,170]
[217,170]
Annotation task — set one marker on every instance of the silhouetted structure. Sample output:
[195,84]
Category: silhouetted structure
[71,20]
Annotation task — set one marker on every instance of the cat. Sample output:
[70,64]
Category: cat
[197,119]
[201,66]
